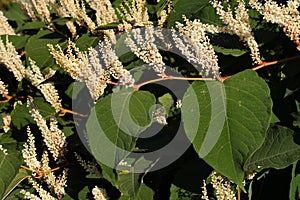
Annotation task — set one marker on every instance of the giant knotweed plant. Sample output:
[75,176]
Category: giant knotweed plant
[141,99]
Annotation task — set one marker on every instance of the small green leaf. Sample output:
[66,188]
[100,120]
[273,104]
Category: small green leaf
[37,49]
[187,8]
[83,194]
[22,175]
[19,42]
[208,16]
[232,52]
[9,167]
[178,193]
[61,21]
[166,101]
[129,184]
[278,150]
[14,13]
[108,26]
[32,25]
[295,184]
[21,117]
[72,92]
[86,41]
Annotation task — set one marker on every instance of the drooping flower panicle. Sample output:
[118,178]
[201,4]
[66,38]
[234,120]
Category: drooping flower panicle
[53,137]
[11,59]
[195,46]
[239,25]
[142,44]
[94,68]
[286,16]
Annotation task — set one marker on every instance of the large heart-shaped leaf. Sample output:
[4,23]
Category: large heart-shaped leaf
[227,122]
[114,124]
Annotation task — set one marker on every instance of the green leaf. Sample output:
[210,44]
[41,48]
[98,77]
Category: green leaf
[166,101]
[182,7]
[208,16]
[83,194]
[295,184]
[32,25]
[14,13]
[145,193]
[36,47]
[21,117]
[72,92]
[9,167]
[86,41]
[112,25]
[139,106]
[278,150]
[232,52]
[62,21]
[178,193]
[226,122]
[296,121]
[22,175]
[129,184]
[113,125]
[123,51]
[19,42]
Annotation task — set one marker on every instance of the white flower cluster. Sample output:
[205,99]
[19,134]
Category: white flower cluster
[145,48]
[239,25]
[222,187]
[34,75]
[76,9]
[42,192]
[56,144]
[40,10]
[99,193]
[105,14]
[11,59]
[54,138]
[6,122]
[93,68]
[36,9]
[112,63]
[164,14]
[3,89]
[286,16]
[135,13]
[5,28]
[196,47]
[160,115]
[29,152]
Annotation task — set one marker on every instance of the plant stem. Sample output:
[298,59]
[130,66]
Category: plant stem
[137,87]
[222,79]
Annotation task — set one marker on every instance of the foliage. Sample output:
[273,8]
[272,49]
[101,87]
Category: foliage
[241,124]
